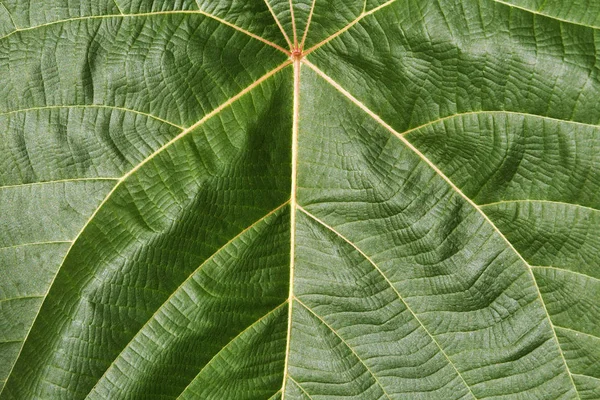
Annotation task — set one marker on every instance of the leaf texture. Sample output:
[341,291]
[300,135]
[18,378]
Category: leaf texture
[299,199]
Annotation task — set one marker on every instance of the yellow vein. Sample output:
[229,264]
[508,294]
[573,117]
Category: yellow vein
[35,244]
[538,201]
[546,15]
[293,203]
[133,170]
[293,24]
[287,38]
[295,382]
[568,271]
[310,15]
[274,395]
[207,117]
[345,343]
[408,144]
[9,15]
[587,376]
[350,25]
[384,276]
[20,298]
[189,278]
[499,112]
[118,8]
[578,332]
[252,325]
[150,14]
[92,106]
[252,35]
[59,181]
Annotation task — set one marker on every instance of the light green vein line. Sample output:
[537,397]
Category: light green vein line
[59,181]
[36,244]
[545,15]
[287,39]
[384,276]
[568,271]
[20,298]
[499,112]
[118,8]
[150,14]
[274,395]
[301,387]
[190,277]
[439,172]
[345,343]
[587,376]
[92,106]
[347,27]
[248,328]
[9,15]
[133,170]
[537,201]
[578,332]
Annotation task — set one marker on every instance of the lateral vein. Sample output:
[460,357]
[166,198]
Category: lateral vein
[347,27]
[345,343]
[568,271]
[92,106]
[538,201]
[545,15]
[150,14]
[384,276]
[295,382]
[133,170]
[287,38]
[310,15]
[212,256]
[493,112]
[293,208]
[59,181]
[408,144]
[255,323]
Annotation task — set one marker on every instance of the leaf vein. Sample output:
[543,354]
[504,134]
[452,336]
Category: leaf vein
[150,14]
[255,323]
[545,15]
[153,317]
[345,343]
[366,257]
[566,270]
[538,201]
[92,106]
[408,144]
[295,382]
[133,170]
[347,27]
[287,39]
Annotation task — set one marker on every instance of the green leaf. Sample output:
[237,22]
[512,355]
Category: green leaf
[305,199]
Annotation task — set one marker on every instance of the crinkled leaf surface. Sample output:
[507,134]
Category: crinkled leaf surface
[306,199]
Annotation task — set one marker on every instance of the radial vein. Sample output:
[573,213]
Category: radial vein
[137,167]
[182,284]
[287,38]
[293,209]
[200,12]
[230,343]
[391,285]
[408,144]
[345,344]
[350,25]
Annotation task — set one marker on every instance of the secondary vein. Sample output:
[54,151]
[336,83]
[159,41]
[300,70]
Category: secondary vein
[408,144]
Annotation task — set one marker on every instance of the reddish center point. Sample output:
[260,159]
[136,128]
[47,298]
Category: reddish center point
[296,53]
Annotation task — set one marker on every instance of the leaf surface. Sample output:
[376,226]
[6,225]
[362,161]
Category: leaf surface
[305,199]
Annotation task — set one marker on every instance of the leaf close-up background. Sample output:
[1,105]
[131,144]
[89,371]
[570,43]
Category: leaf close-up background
[305,199]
